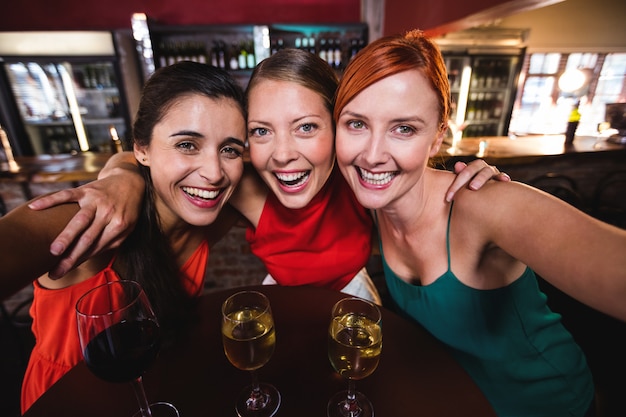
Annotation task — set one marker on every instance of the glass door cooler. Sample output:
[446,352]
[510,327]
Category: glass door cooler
[483,69]
[63,102]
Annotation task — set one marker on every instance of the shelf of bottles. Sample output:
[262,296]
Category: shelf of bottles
[483,90]
[335,44]
[238,48]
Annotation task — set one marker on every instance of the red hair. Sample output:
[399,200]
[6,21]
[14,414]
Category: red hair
[391,55]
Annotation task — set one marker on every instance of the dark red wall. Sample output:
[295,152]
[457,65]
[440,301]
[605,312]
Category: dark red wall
[18,15]
[399,15]
[442,16]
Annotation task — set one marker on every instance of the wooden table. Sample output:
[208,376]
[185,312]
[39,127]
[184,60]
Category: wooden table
[416,375]
[72,168]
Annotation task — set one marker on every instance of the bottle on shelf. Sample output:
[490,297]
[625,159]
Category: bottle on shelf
[250,57]
[330,51]
[312,45]
[337,54]
[323,51]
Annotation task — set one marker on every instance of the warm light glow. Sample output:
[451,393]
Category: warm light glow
[572,80]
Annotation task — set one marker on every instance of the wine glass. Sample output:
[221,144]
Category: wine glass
[354,346]
[119,337]
[249,338]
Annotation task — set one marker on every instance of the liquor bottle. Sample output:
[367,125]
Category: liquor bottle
[330,51]
[242,54]
[471,107]
[202,55]
[312,45]
[162,54]
[572,124]
[221,54]
[479,107]
[251,58]
[337,54]
[322,52]
[354,47]
[171,53]
[498,106]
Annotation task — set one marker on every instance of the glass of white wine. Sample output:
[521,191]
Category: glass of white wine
[249,339]
[354,345]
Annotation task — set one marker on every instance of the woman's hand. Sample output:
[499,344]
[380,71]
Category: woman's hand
[109,208]
[474,175]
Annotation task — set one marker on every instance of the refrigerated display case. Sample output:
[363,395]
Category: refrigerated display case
[483,69]
[62,101]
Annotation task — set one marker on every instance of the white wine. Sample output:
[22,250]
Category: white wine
[354,345]
[249,338]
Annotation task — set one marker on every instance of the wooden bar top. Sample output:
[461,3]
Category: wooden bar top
[520,149]
[82,166]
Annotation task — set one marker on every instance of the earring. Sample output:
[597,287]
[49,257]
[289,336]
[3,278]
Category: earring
[143,159]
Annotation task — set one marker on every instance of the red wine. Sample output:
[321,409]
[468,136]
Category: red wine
[123,351]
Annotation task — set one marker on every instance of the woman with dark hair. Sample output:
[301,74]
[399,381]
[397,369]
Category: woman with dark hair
[188,140]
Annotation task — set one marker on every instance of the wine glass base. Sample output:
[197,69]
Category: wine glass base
[161,409]
[338,406]
[266,405]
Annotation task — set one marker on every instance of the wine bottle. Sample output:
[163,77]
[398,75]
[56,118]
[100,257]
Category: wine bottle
[337,54]
[322,53]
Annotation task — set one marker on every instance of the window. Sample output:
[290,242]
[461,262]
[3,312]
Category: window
[541,108]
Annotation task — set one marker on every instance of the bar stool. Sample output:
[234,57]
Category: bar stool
[609,199]
[561,186]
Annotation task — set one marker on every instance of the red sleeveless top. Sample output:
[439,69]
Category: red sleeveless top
[325,243]
[57,348]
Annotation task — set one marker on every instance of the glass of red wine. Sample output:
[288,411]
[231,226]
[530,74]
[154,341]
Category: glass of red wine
[119,337]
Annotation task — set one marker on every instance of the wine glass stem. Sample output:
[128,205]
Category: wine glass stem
[144,406]
[351,407]
[258,399]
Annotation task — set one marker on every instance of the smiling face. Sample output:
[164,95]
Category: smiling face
[291,137]
[195,158]
[385,136]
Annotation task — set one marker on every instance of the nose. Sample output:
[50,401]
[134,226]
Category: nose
[210,167]
[374,149]
[284,149]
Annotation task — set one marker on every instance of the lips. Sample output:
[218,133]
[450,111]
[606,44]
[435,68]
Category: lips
[376,178]
[200,193]
[292,179]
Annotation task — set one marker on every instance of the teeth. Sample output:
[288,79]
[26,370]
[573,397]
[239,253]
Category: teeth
[205,194]
[376,179]
[292,179]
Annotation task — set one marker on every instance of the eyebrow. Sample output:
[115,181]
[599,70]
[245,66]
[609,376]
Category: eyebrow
[195,134]
[186,133]
[396,120]
[236,141]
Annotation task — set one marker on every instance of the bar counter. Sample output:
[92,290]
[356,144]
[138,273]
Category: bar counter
[523,149]
[41,169]
[587,162]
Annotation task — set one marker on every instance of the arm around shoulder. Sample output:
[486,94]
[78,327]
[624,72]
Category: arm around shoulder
[25,237]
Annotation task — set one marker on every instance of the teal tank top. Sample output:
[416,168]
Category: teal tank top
[508,340]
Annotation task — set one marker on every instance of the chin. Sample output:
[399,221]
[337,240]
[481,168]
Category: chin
[294,202]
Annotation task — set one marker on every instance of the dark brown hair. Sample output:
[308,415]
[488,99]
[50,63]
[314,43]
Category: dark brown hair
[146,256]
